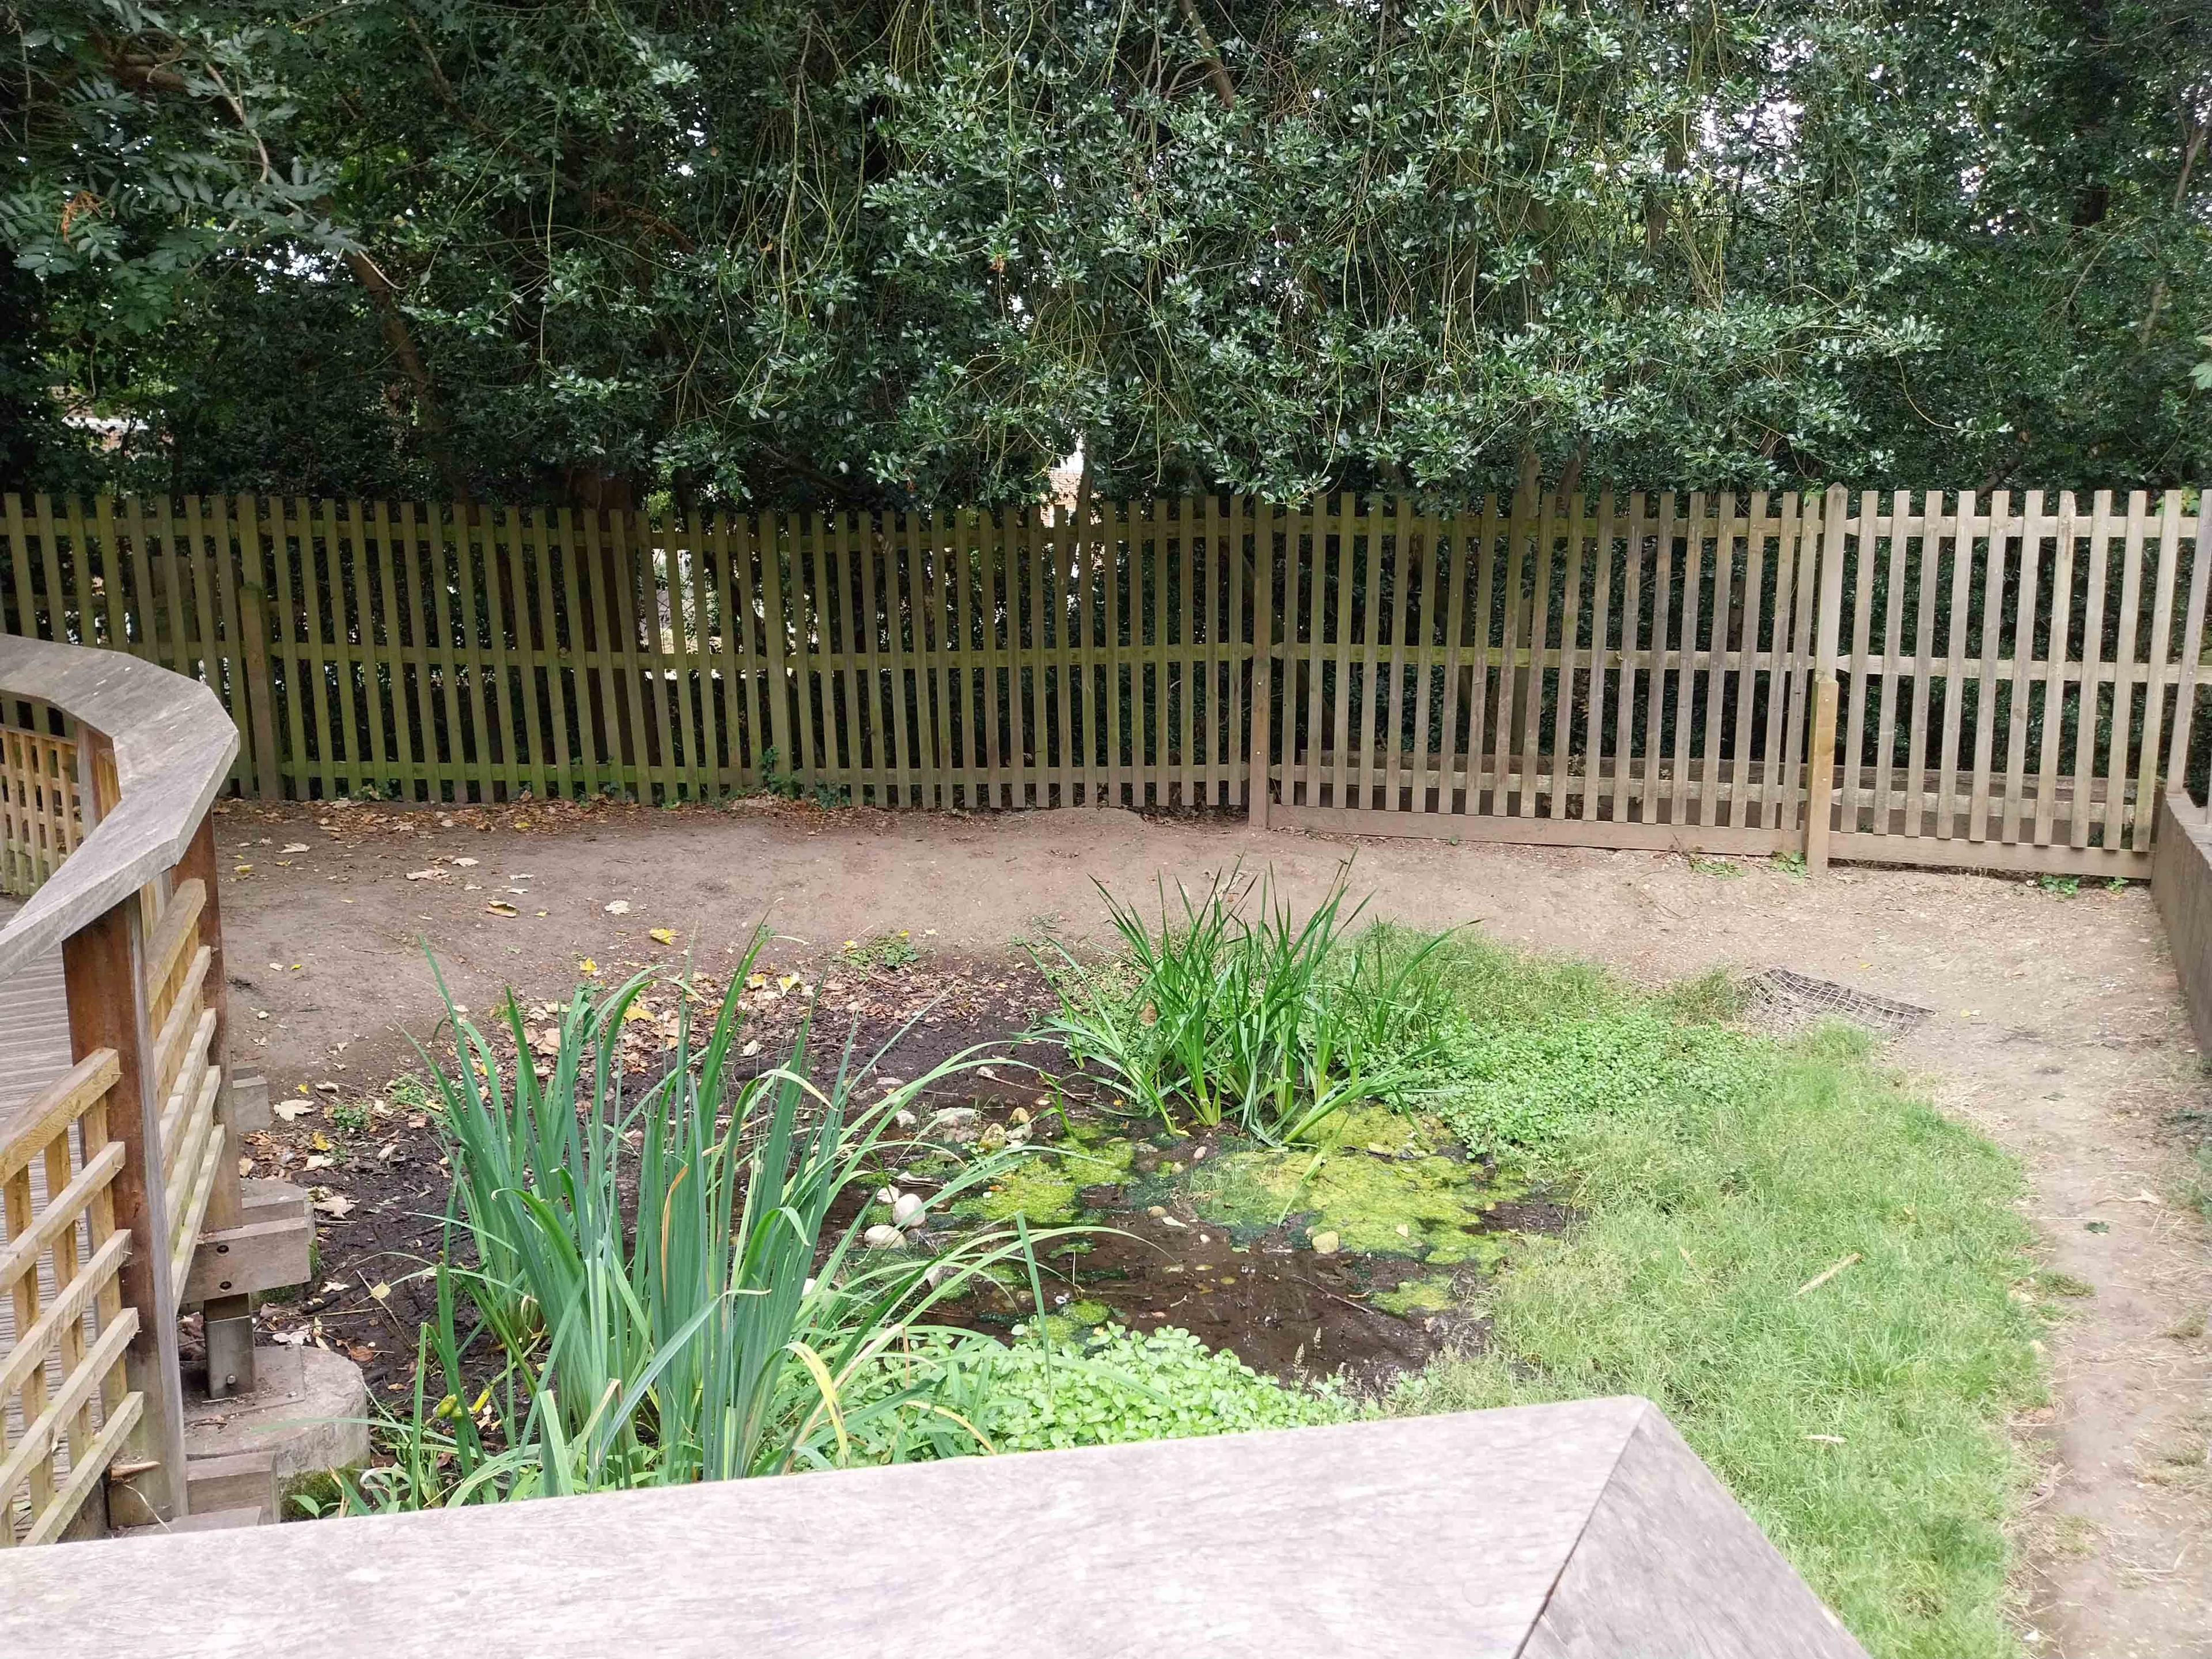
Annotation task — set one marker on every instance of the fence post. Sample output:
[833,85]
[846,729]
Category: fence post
[1820,752]
[1259,735]
[103,967]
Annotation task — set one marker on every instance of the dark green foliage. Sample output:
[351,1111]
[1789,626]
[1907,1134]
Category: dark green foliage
[792,252]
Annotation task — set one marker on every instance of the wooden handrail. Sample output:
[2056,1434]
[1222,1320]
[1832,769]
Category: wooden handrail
[173,744]
[134,1146]
[1584,1528]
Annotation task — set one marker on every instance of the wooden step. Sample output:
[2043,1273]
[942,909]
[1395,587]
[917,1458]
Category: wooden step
[200,1521]
[232,1481]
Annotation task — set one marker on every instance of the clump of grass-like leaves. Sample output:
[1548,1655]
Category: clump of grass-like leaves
[1276,1023]
[658,1277]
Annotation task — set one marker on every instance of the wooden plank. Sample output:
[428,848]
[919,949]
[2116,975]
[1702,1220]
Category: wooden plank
[1345,648]
[1570,617]
[1798,703]
[892,613]
[730,684]
[1927,566]
[1985,710]
[370,654]
[1593,725]
[2192,643]
[1225,549]
[2054,702]
[1718,657]
[1156,647]
[1544,553]
[1483,564]
[2092,646]
[310,656]
[2023,653]
[58,623]
[1742,802]
[1654,712]
[1259,804]
[424,565]
[1523,830]
[1686,680]
[1624,729]
[1308,546]
[2125,661]
[1428,564]
[629,556]
[511,702]
[1386,558]
[1962,562]
[565,674]
[1892,642]
[744,593]
[2158,669]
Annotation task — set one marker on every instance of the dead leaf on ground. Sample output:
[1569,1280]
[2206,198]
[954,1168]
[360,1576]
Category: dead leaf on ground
[502,907]
[292,1110]
[664,935]
[617,907]
[338,1204]
[296,847]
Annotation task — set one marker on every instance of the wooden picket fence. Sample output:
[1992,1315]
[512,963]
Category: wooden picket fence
[1996,682]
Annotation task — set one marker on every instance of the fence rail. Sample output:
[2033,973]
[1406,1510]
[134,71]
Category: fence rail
[2000,680]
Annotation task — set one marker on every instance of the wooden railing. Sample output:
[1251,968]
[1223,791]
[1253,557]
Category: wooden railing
[112,1172]
[1582,1528]
[41,820]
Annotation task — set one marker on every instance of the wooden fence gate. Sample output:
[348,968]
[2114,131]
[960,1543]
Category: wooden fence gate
[1996,683]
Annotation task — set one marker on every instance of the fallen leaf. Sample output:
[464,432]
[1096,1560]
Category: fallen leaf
[587,966]
[292,1110]
[338,1204]
[467,864]
[243,869]
[664,935]
[749,1050]
[426,875]
[320,1161]
[617,907]
[502,907]
[380,1289]
[637,1011]
[360,1352]
[295,846]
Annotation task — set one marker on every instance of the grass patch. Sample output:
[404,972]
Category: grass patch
[1862,1421]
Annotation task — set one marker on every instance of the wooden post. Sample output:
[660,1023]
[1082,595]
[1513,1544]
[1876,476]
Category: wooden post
[1820,751]
[1820,775]
[103,968]
[1260,732]
[228,1320]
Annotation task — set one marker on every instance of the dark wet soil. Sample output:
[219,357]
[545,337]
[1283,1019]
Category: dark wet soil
[1147,1257]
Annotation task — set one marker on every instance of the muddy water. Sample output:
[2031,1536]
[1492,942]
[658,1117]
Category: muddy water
[1365,1260]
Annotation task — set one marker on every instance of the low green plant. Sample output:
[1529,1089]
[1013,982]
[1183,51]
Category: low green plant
[1279,1022]
[2060,886]
[349,1115]
[774,780]
[886,951]
[1789,862]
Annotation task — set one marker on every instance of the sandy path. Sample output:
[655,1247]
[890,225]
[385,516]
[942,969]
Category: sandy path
[2057,1030]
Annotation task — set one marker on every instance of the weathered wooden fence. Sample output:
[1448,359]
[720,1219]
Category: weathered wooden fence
[1996,682]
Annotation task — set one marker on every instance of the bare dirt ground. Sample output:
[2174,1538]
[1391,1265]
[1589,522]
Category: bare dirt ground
[2057,1030]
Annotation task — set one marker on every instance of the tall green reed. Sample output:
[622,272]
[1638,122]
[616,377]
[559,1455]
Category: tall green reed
[657,1269]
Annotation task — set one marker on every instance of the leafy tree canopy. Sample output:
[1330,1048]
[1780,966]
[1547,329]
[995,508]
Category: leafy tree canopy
[777,251]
